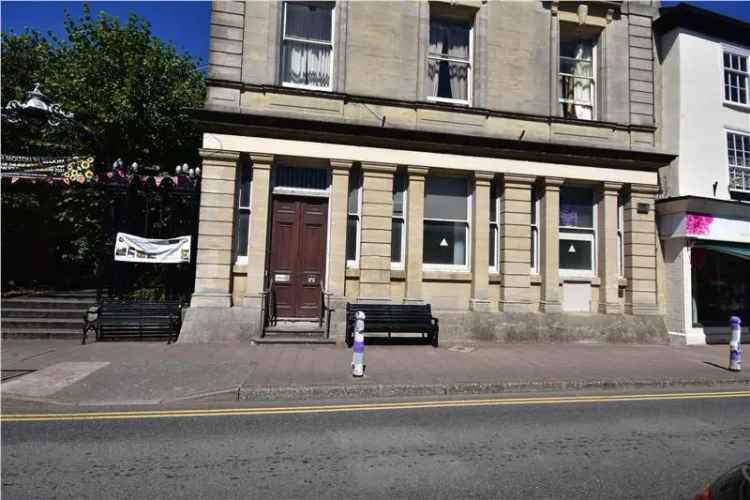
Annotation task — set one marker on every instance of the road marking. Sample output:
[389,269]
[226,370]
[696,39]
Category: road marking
[411,405]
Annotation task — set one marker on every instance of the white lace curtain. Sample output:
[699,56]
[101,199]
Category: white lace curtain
[449,78]
[307,45]
[576,79]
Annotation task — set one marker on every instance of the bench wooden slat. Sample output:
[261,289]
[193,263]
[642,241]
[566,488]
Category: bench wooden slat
[393,318]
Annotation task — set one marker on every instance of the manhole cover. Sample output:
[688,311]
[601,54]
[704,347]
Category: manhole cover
[9,374]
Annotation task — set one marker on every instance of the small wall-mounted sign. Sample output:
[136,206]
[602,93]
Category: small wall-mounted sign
[281,278]
[311,279]
[643,208]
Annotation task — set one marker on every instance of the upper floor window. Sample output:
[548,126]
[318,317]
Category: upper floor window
[735,77]
[738,151]
[449,61]
[446,223]
[307,45]
[577,72]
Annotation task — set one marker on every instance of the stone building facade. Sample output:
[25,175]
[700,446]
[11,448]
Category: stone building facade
[497,160]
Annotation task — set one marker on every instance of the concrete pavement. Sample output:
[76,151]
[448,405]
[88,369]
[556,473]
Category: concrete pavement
[146,373]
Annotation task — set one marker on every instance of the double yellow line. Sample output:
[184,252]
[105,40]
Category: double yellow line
[342,408]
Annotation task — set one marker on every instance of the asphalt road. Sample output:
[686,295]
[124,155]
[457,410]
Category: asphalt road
[633,449]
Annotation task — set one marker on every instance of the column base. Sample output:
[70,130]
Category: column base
[514,306]
[480,305]
[642,309]
[219,324]
[550,306]
[254,300]
[211,299]
[610,308]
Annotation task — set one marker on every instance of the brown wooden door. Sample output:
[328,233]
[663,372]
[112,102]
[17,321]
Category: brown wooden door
[298,251]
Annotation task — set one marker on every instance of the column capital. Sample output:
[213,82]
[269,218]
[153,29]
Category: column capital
[611,187]
[219,155]
[261,160]
[644,189]
[415,171]
[519,179]
[486,177]
[552,182]
[370,166]
[337,164]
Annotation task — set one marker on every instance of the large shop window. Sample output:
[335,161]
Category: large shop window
[446,223]
[735,77]
[494,228]
[449,61]
[577,231]
[398,238]
[738,152]
[535,229]
[354,207]
[307,45]
[721,284]
[242,218]
[577,72]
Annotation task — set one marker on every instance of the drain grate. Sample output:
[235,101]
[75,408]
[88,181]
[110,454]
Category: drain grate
[9,374]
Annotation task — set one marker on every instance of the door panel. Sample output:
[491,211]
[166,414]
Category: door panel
[298,248]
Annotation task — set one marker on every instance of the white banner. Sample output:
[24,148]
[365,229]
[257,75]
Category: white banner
[130,248]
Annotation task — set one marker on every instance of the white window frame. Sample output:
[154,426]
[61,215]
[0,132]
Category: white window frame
[332,44]
[730,167]
[620,234]
[470,78]
[581,233]
[242,259]
[594,81]
[495,269]
[534,229]
[454,267]
[354,264]
[740,52]
[399,265]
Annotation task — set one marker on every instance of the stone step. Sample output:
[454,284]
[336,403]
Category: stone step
[41,323]
[47,303]
[42,333]
[298,329]
[16,312]
[292,339]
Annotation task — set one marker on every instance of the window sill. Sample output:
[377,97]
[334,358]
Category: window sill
[737,106]
[239,268]
[495,278]
[398,275]
[452,102]
[446,276]
[593,280]
[306,87]
[535,279]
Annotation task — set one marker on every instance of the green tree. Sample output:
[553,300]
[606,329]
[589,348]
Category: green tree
[129,90]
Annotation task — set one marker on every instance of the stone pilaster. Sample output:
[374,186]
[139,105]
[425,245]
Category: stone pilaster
[480,233]
[213,269]
[258,235]
[338,206]
[609,302]
[550,245]
[415,234]
[515,243]
[640,250]
[375,246]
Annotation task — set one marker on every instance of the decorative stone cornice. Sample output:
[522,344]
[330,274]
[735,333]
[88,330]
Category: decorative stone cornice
[415,171]
[611,186]
[261,160]
[552,182]
[386,168]
[219,155]
[484,176]
[337,164]
[519,179]
[644,189]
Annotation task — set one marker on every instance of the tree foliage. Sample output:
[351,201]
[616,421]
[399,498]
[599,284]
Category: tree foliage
[129,90]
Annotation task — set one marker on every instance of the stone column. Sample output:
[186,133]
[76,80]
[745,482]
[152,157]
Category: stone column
[415,234]
[213,271]
[480,234]
[258,235]
[550,245]
[375,247]
[609,272]
[338,207]
[515,243]
[640,250]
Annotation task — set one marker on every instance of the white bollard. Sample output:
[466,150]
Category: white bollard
[358,349]
[735,344]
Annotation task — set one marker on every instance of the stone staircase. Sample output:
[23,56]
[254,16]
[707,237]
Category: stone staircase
[52,315]
[294,331]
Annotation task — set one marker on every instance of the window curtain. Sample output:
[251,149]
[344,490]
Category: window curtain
[307,63]
[449,79]
[578,62]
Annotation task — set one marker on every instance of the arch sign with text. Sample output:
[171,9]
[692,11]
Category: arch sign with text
[130,248]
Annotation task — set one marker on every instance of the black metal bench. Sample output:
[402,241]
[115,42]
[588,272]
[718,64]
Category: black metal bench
[393,318]
[133,319]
